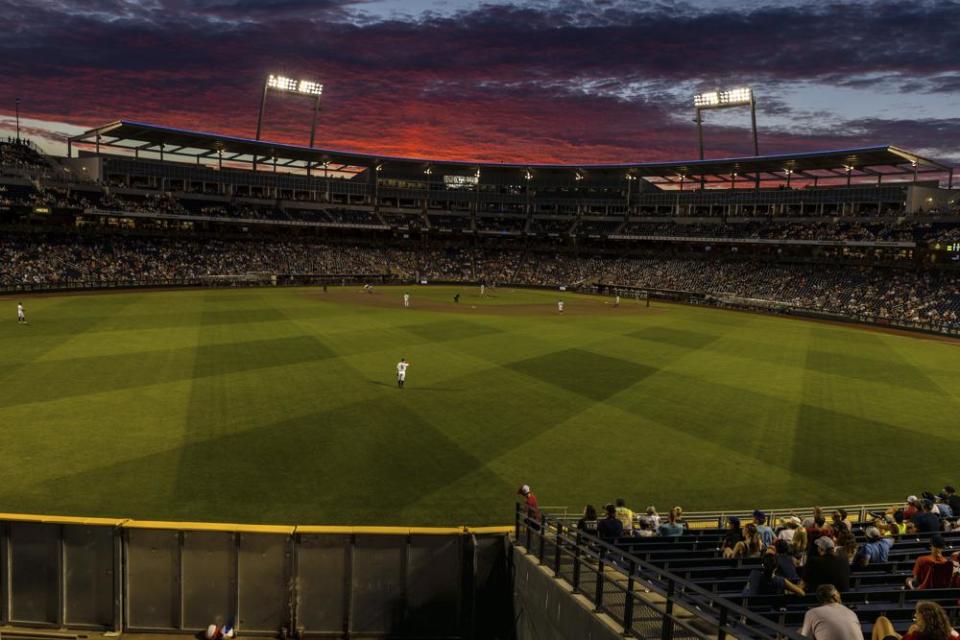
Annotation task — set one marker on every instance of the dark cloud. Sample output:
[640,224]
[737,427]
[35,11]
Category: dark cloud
[569,80]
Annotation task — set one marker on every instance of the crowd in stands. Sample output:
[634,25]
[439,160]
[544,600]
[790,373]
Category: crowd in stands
[927,298]
[829,555]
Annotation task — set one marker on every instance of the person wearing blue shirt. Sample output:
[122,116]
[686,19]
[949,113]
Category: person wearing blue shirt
[875,549]
[763,530]
[671,528]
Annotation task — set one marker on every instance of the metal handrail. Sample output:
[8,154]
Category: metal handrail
[589,551]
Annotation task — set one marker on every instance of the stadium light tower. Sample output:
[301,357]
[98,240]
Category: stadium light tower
[739,97]
[304,88]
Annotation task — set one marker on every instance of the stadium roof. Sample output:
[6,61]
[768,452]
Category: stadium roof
[200,146]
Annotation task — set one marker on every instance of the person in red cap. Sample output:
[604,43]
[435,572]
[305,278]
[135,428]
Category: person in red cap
[530,501]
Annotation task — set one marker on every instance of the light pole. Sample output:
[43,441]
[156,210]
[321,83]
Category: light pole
[739,97]
[303,88]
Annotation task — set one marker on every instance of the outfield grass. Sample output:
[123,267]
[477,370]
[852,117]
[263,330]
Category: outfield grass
[279,405]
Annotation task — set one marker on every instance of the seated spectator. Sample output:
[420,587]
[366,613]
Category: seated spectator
[798,547]
[732,536]
[912,508]
[766,580]
[671,527]
[653,517]
[875,549]
[925,521]
[847,544]
[952,499]
[626,516]
[643,529]
[588,522]
[830,620]
[899,522]
[763,529]
[790,526]
[826,567]
[933,571]
[750,546]
[839,522]
[610,528]
[786,564]
[678,515]
[930,622]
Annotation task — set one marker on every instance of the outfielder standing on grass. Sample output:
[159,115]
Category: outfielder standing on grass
[402,372]
[406,301]
[21,316]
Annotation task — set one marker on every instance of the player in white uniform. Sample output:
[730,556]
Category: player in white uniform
[560,306]
[21,316]
[617,303]
[402,372]
[483,289]
[406,300]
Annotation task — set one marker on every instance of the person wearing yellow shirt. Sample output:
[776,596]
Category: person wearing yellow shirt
[625,516]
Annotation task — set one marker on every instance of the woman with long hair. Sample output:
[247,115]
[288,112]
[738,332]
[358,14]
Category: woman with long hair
[750,546]
[798,546]
[930,622]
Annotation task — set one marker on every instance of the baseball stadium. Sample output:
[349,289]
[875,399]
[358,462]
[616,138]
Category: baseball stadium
[429,376]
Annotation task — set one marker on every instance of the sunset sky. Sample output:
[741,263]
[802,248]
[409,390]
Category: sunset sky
[527,80]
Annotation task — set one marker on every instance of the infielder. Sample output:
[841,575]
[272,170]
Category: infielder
[560,306]
[21,316]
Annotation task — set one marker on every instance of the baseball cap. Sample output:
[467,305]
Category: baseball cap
[524,489]
[760,515]
[912,499]
[937,541]
[792,521]
[825,543]
[734,520]
[872,533]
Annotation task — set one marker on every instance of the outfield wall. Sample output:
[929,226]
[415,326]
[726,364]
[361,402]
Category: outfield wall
[179,577]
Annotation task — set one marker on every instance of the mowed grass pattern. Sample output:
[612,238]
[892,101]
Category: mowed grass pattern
[280,405]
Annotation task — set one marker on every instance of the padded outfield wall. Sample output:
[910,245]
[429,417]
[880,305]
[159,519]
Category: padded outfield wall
[178,577]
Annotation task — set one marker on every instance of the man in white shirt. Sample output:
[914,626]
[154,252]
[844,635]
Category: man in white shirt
[406,301]
[402,372]
[560,306]
[831,620]
[21,316]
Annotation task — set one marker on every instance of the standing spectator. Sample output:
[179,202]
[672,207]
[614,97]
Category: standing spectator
[530,503]
[798,547]
[933,571]
[790,526]
[588,522]
[610,528]
[763,529]
[875,549]
[831,620]
[911,509]
[625,516]
[826,567]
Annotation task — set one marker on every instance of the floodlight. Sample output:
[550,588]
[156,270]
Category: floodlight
[284,84]
[722,99]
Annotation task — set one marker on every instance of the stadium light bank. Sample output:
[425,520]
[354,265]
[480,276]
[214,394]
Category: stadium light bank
[725,99]
[291,86]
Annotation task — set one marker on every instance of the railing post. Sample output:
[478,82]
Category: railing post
[526,523]
[666,629]
[628,604]
[556,551]
[598,599]
[576,562]
[543,538]
[724,614]
[516,517]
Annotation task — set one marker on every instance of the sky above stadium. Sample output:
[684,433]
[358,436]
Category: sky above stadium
[524,80]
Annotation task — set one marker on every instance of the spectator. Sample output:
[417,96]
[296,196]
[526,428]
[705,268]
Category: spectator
[912,507]
[588,522]
[930,622]
[790,526]
[671,528]
[750,546]
[763,529]
[875,549]
[925,521]
[732,536]
[933,571]
[952,499]
[839,522]
[530,503]
[831,620]
[610,528]
[847,543]
[644,530]
[625,515]
[799,546]
[766,581]
[786,564]
[826,567]
[653,517]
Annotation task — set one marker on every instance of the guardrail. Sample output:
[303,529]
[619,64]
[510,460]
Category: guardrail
[179,577]
[643,599]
